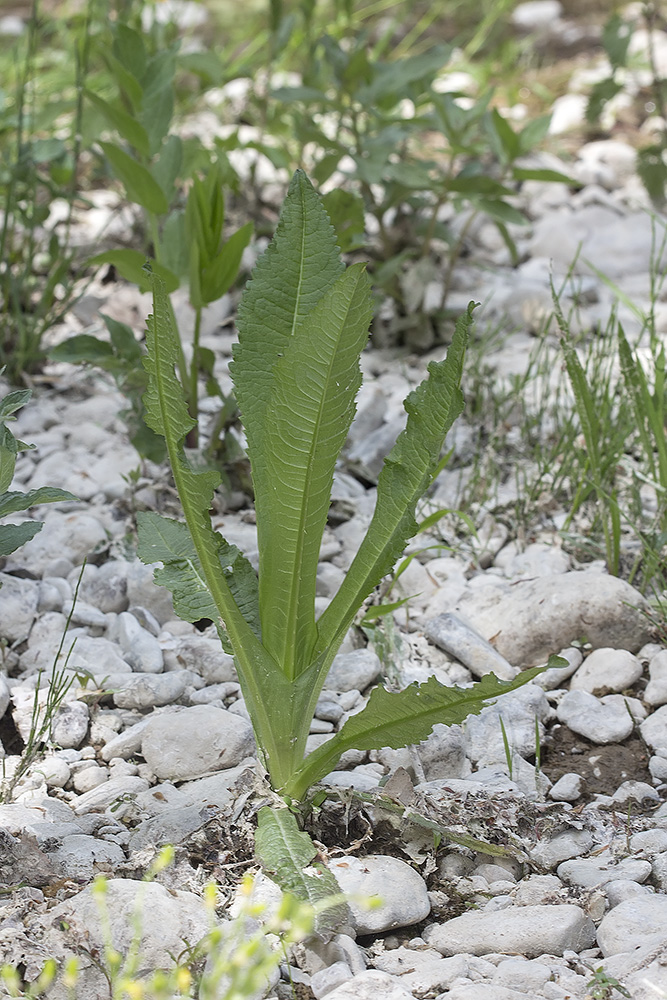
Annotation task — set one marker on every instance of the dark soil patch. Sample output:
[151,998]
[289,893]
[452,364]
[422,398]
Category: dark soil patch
[603,768]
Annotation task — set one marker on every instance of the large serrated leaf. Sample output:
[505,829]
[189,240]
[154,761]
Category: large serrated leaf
[407,472]
[289,854]
[167,414]
[299,267]
[398,718]
[161,539]
[317,379]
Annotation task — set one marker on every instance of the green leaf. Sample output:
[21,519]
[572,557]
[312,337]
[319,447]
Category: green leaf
[130,264]
[221,273]
[122,338]
[10,503]
[392,79]
[346,211]
[299,266]
[601,92]
[432,409]
[12,536]
[616,36]
[13,401]
[301,95]
[398,718]
[508,146]
[476,184]
[83,349]
[139,185]
[497,209]
[156,116]
[126,125]
[164,540]
[168,165]
[288,854]
[532,134]
[528,174]
[167,415]
[126,81]
[129,49]
[652,169]
[317,378]
[379,610]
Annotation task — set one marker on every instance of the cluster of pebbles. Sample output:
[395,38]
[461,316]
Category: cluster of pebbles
[152,741]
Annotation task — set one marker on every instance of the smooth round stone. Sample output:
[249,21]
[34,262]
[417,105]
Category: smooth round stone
[607,671]
[635,923]
[357,670]
[654,730]
[187,744]
[594,718]
[568,788]
[399,889]
[56,771]
[622,889]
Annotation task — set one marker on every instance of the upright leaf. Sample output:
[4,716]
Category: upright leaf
[407,472]
[317,380]
[137,181]
[167,415]
[299,266]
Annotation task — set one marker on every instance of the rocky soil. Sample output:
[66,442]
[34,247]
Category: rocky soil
[564,781]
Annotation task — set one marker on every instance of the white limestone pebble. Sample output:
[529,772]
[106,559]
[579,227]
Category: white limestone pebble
[599,720]
[141,649]
[656,689]
[592,872]
[371,985]
[18,607]
[187,744]
[72,536]
[549,853]
[149,690]
[56,771]
[70,724]
[654,729]
[326,980]
[165,917]
[398,888]
[109,793]
[635,923]
[355,670]
[518,711]
[82,856]
[535,618]
[203,656]
[607,671]
[568,788]
[524,930]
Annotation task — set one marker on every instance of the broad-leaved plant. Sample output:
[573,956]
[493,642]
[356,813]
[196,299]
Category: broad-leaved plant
[303,323]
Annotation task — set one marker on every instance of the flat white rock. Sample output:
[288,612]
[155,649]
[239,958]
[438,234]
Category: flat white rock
[635,923]
[598,719]
[370,985]
[523,930]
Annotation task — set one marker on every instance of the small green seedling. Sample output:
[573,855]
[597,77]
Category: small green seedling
[303,323]
[603,987]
